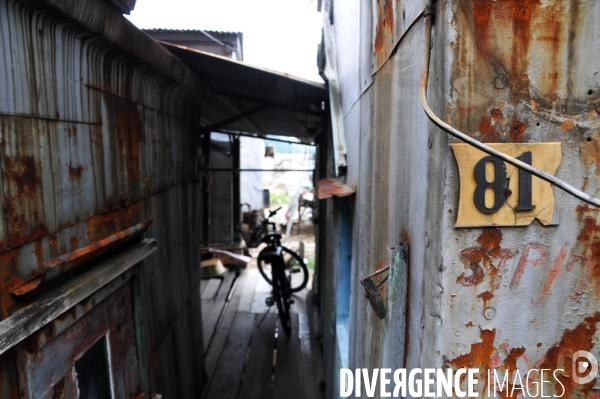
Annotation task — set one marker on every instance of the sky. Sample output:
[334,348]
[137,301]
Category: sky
[282,35]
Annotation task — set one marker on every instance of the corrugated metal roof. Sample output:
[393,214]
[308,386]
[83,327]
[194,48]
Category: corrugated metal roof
[284,105]
[212,32]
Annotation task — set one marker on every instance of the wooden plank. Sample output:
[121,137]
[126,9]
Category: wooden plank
[257,377]
[288,383]
[316,353]
[307,369]
[25,321]
[203,285]
[213,311]
[299,305]
[228,374]
[197,341]
[211,356]
[262,292]
[247,296]
[212,288]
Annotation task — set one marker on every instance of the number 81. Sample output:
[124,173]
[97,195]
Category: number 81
[500,185]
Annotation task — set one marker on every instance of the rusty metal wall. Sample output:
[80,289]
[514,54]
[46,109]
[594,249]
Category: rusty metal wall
[541,281]
[97,133]
[503,71]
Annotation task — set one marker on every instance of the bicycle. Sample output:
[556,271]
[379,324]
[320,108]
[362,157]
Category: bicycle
[287,273]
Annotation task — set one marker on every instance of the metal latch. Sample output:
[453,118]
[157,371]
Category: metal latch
[372,291]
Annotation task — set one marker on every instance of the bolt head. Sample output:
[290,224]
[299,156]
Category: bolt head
[489,313]
[500,82]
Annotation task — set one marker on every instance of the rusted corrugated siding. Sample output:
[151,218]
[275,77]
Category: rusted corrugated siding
[503,71]
[96,136]
[524,71]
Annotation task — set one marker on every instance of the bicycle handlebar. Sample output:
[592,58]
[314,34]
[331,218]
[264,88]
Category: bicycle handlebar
[272,213]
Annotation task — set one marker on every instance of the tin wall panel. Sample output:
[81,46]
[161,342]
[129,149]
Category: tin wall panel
[96,135]
[347,19]
[546,306]
[391,20]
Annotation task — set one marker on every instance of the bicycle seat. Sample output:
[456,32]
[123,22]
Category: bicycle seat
[270,237]
[270,254]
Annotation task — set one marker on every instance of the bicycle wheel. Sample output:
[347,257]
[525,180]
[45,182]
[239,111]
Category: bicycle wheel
[295,269]
[282,295]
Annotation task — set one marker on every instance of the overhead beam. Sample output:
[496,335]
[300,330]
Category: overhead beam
[236,118]
[255,170]
[255,136]
[275,104]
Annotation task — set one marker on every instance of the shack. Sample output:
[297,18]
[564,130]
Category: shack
[104,136]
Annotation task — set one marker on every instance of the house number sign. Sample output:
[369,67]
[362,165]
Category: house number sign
[495,193]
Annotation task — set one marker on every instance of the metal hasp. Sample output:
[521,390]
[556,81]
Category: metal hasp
[372,291]
[521,164]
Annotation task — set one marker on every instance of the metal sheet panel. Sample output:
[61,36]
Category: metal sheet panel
[392,19]
[505,71]
[523,72]
[97,129]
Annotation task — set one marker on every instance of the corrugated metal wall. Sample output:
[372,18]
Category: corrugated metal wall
[97,133]
[407,179]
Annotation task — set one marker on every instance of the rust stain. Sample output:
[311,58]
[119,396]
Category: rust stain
[510,365]
[131,135]
[514,16]
[30,285]
[490,240]
[23,170]
[589,240]
[518,130]
[585,209]
[590,152]
[74,243]
[586,181]
[495,40]
[379,266]
[469,324]
[488,131]
[75,172]
[475,278]
[567,125]
[52,240]
[39,252]
[487,297]
[480,355]
[475,257]
[384,30]
[534,105]
[497,115]
[17,221]
[579,338]
[105,224]
[9,261]
[71,260]
[404,236]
